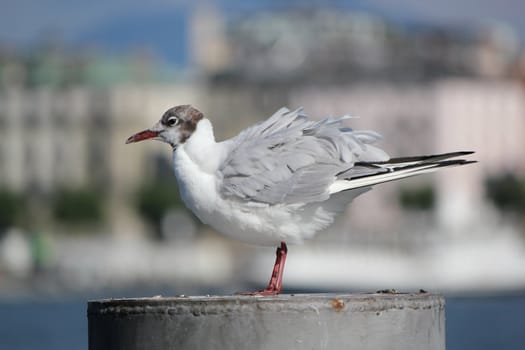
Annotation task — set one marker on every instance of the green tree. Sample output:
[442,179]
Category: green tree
[154,199]
[78,206]
[418,198]
[12,207]
[507,192]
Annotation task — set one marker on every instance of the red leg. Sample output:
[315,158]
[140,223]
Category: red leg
[276,281]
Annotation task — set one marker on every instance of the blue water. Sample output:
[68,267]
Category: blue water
[43,325]
[471,323]
[485,323]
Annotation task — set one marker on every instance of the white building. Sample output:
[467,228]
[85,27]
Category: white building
[75,138]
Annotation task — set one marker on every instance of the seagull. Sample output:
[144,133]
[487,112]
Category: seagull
[281,180]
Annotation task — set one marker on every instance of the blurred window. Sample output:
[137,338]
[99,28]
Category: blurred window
[3,160]
[59,120]
[3,115]
[32,120]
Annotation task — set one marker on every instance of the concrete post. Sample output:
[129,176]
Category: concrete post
[302,321]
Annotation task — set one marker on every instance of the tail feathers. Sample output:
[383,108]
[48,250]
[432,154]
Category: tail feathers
[397,168]
[425,158]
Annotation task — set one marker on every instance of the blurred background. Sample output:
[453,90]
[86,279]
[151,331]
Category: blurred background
[82,215]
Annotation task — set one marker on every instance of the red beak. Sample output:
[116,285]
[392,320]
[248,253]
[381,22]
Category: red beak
[143,135]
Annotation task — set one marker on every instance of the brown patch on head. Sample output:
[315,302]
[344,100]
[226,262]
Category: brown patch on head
[187,117]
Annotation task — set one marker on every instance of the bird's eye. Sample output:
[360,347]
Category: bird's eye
[172,121]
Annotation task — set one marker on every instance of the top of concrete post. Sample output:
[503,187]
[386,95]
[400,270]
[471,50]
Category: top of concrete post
[232,303]
[300,321]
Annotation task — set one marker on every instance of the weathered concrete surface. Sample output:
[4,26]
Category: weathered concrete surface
[302,321]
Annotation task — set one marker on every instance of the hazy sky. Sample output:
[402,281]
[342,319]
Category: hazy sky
[24,22]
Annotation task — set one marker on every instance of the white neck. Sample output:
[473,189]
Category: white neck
[202,149]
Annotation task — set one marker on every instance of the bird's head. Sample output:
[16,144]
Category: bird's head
[175,127]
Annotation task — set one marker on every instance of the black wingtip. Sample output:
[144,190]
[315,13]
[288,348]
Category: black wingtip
[427,158]
[445,163]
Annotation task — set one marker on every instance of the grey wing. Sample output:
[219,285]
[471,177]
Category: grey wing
[291,159]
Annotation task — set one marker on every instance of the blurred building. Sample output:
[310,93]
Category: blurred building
[64,119]
[45,138]
[64,127]
[327,46]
